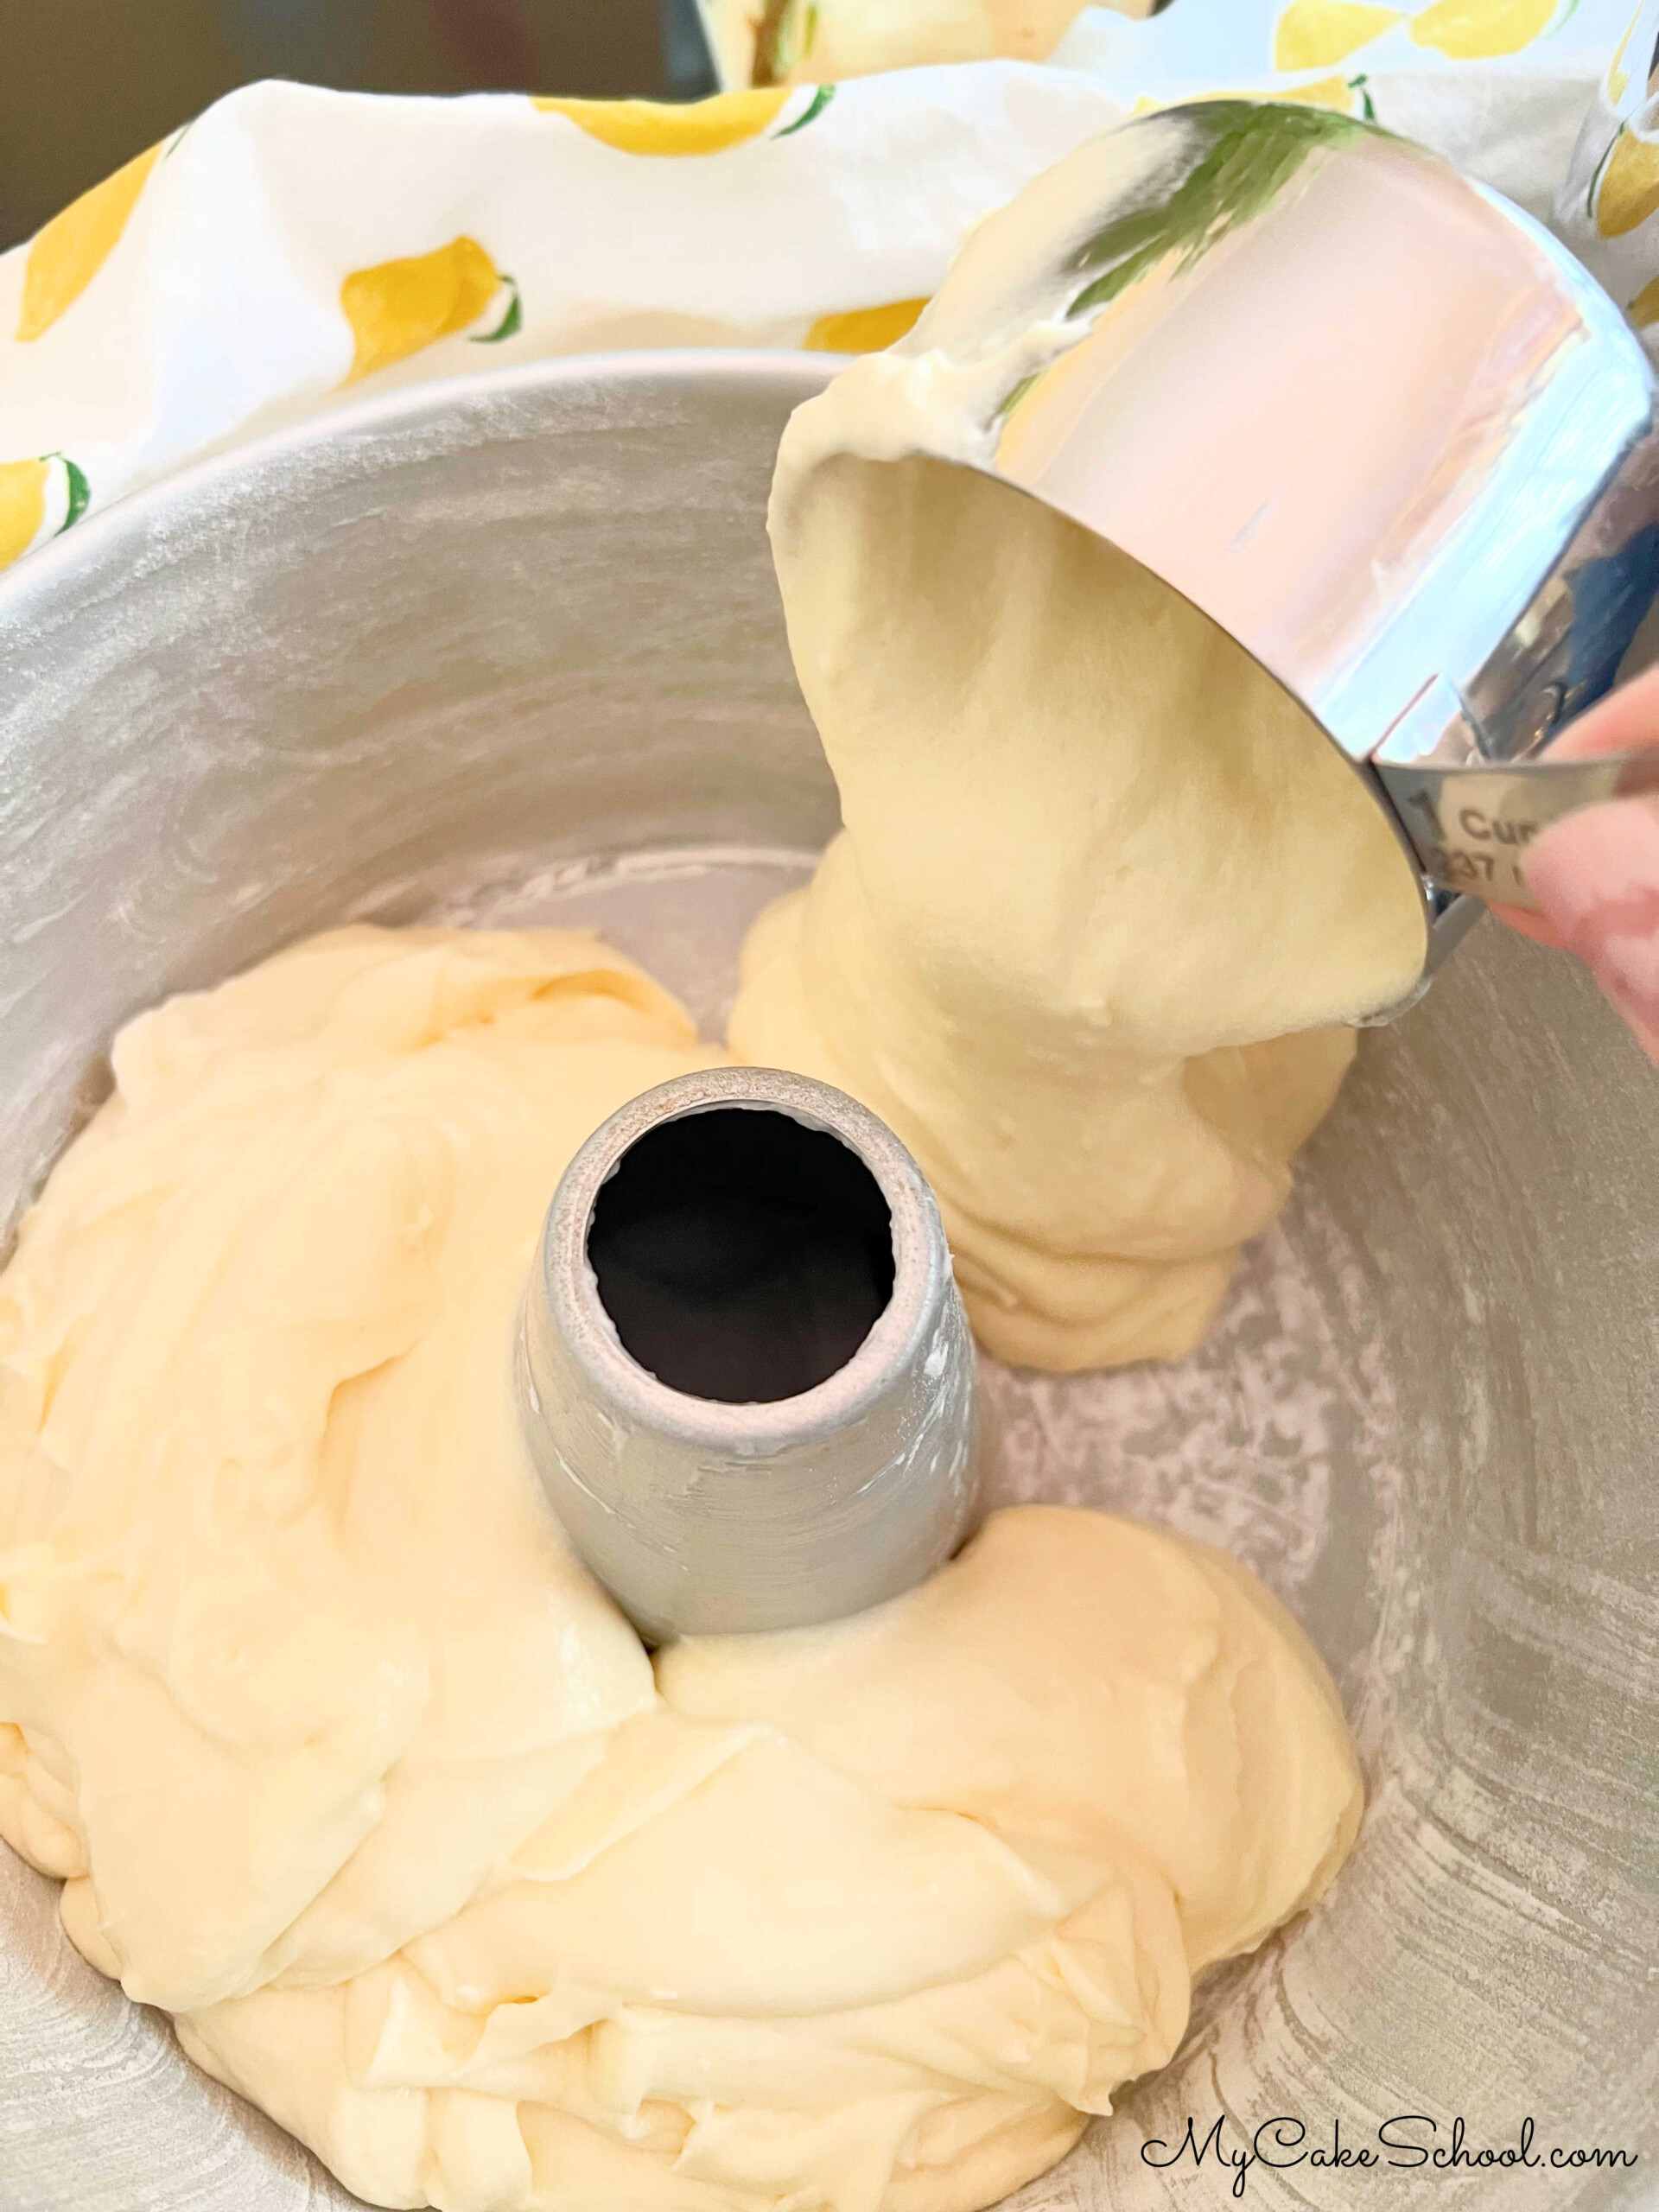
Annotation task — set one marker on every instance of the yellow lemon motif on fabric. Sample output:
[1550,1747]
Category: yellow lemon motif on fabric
[23,507]
[1617,75]
[397,306]
[1316,34]
[68,253]
[25,488]
[664,127]
[864,330]
[1630,184]
[1479,30]
[1644,310]
[1335,92]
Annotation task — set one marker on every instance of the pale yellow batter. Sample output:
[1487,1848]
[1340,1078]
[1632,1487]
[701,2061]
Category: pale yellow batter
[1095,866]
[346,1762]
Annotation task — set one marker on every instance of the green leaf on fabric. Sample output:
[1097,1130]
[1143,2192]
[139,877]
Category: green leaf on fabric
[511,322]
[822,95]
[79,490]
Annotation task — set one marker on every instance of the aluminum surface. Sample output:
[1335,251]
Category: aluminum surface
[509,650]
[1371,418]
[703,1517]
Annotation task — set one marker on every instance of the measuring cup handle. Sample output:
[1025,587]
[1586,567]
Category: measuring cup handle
[1469,823]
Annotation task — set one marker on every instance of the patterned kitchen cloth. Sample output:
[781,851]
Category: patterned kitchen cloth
[292,248]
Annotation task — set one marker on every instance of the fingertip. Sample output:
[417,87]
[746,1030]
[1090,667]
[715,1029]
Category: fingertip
[1525,923]
[1596,878]
[1625,720]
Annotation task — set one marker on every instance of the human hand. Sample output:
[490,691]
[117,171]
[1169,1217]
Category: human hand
[1596,875]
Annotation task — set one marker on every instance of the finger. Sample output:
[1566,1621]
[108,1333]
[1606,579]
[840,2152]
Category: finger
[1527,923]
[1596,878]
[1625,719]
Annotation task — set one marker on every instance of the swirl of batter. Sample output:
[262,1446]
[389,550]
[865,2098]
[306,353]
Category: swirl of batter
[343,1758]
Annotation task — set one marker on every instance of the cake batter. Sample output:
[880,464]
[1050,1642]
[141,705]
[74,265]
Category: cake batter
[1105,896]
[344,1760]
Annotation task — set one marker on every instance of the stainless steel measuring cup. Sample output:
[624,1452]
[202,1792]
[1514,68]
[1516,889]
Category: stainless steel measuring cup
[1368,416]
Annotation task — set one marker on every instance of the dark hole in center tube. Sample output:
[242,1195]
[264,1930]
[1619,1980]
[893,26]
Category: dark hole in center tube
[742,1256]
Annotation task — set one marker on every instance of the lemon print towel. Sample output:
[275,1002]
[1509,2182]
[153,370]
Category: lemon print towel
[1479,30]
[398,307]
[1607,208]
[1627,189]
[1315,34]
[39,499]
[656,127]
[294,249]
[65,257]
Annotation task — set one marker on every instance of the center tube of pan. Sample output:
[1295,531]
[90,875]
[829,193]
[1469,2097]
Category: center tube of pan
[742,1256]
[745,1375]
